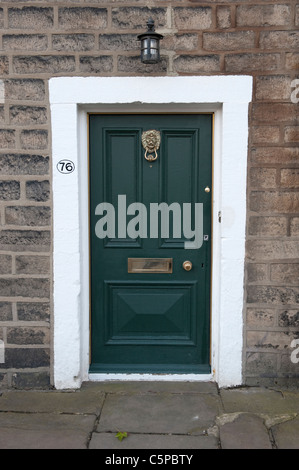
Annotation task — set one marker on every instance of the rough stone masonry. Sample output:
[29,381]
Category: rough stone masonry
[40,39]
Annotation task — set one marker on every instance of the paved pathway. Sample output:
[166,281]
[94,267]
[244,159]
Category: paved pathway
[155,415]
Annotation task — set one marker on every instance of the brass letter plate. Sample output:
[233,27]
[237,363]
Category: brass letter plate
[150,265]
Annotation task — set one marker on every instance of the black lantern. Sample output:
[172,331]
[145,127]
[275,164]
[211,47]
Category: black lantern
[150,44]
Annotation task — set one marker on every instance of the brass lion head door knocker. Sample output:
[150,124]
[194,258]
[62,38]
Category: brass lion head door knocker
[151,142]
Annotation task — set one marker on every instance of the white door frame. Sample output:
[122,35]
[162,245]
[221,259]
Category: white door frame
[71,98]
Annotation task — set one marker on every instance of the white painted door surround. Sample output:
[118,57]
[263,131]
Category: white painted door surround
[71,99]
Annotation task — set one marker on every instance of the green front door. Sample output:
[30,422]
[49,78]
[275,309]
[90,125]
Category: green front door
[148,216]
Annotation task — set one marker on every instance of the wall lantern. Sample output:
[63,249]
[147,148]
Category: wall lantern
[150,44]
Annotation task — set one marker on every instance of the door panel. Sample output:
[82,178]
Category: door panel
[149,321]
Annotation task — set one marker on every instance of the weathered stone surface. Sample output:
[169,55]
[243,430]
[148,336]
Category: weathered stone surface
[31,17]
[28,215]
[25,240]
[9,190]
[251,432]
[33,311]
[25,336]
[38,191]
[96,64]
[5,311]
[25,42]
[25,89]
[28,115]
[136,17]
[32,264]
[5,264]
[82,18]
[23,164]
[23,358]
[26,287]
[272,295]
[73,42]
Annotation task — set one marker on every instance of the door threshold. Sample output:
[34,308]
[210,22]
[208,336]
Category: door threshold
[131,377]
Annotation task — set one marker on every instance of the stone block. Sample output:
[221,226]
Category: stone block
[274,113]
[25,42]
[43,64]
[7,139]
[267,226]
[274,201]
[285,40]
[4,65]
[9,190]
[31,17]
[27,115]
[25,287]
[273,87]
[73,42]
[26,358]
[38,191]
[26,336]
[35,216]
[267,250]
[5,311]
[260,317]
[136,17]
[251,62]
[291,134]
[5,264]
[31,380]
[263,177]
[76,18]
[283,155]
[34,139]
[32,264]
[33,311]
[25,89]
[99,64]
[263,15]
[294,226]
[23,164]
[192,18]
[285,273]
[119,42]
[289,178]
[272,295]
[229,41]
[223,17]
[25,240]
[289,318]
[197,64]
[257,272]
[180,42]
[292,60]
[265,134]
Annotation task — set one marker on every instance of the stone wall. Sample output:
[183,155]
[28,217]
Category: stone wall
[42,39]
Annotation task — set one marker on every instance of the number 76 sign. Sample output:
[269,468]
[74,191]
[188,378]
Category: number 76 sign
[65,167]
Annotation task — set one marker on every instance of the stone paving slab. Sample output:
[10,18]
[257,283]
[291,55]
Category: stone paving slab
[45,431]
[286,435]
[259,400]
[152,441]
[89,401]
[159,413]
[246,431]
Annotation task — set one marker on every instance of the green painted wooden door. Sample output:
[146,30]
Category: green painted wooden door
[149,321]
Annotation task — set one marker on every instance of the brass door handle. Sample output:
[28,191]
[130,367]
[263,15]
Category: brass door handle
[207,189]
[187,265]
